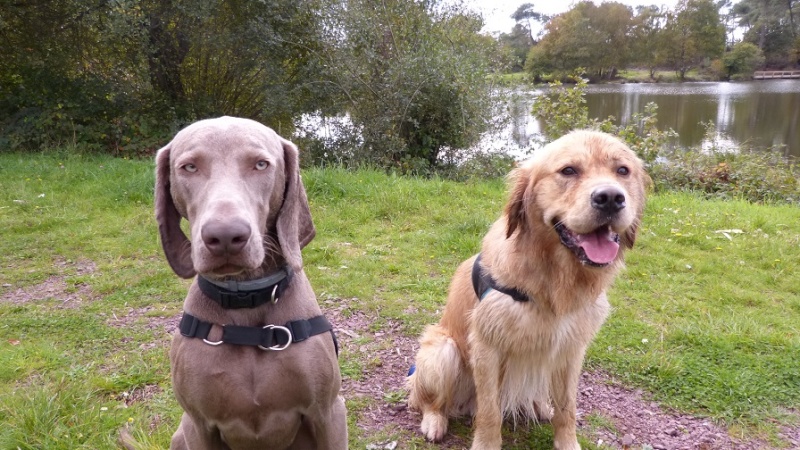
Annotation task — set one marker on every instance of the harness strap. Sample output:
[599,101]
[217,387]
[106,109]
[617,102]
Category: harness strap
[248,294]
[482,283]
[268,337]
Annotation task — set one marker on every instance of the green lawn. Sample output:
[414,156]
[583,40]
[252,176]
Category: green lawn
[706,317]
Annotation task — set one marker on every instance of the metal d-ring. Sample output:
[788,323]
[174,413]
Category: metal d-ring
[217,342]
[274,299]
[278,347]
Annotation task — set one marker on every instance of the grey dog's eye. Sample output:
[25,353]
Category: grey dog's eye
[190,168]
[261,165]
[623,170]
[569,171]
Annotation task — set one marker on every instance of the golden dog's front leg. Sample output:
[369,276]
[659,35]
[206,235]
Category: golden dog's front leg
[486,366]
[564,391]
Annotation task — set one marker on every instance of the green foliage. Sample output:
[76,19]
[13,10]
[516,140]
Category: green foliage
[758,176]
[646,46]
[565,110]
[514,47]
[123,76]
[413,79]
[771,25]
[693,34]
[589,36]
[743,59]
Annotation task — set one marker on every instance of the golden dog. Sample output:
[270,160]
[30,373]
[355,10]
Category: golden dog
[542,276]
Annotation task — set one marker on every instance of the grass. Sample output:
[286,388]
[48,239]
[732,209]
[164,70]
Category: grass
[706,317]
[630,75]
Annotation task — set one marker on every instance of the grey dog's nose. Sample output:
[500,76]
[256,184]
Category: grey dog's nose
[608,199]
[225,237]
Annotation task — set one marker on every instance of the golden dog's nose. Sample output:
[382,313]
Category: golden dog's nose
[608,199]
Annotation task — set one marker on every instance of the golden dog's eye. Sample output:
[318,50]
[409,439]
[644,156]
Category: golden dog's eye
[623,170]
[261,165]
[190,168]
[569,171]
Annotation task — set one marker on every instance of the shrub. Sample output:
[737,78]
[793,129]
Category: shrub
[763,175]
[565,109]
[413,79]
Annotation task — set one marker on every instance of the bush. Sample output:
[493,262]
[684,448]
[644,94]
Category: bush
[413,80]
[743,60]
[565,110]
[764,176]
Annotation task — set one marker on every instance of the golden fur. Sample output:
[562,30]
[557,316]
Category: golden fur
[498,357]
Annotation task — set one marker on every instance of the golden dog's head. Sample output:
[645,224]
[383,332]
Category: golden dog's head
[586,190]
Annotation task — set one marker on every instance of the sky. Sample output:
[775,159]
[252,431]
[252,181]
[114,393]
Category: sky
[497,13]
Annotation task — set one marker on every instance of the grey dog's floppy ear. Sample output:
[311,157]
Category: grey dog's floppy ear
[176,245]
[294,225]
[515,208]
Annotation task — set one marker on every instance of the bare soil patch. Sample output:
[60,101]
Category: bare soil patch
[162,326]
[55,287]
[638,422]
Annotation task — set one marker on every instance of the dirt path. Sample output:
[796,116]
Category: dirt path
[633,421]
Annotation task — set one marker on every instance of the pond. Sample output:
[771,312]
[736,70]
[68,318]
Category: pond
[761,114]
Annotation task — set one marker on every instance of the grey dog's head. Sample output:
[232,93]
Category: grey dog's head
[238,184]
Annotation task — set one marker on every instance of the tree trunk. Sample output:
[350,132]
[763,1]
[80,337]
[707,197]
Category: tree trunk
[168,48]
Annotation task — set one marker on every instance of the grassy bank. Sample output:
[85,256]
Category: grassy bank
[623,76]
[706,317]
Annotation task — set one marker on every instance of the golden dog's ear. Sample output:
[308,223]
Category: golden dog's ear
[294,225]
[176,245]
[519,180]
[629,236]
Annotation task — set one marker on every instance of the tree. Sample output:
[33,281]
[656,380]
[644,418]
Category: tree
[594,37]
[692,34]
[412,78]
[771,25]
[106,73]
[525,15]
[645,37]
[516,45]
[743,59]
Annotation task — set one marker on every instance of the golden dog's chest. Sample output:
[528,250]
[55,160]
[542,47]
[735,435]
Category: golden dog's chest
[535,344]
[530,331]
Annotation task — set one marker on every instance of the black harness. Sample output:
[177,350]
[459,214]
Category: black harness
[483,282]
[250,294]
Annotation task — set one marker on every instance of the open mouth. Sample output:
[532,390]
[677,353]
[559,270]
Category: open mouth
[597,249]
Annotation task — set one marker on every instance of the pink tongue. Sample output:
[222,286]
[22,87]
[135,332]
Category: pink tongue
[599,247]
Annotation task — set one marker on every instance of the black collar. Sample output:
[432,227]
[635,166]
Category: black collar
[483,282]
[247,294]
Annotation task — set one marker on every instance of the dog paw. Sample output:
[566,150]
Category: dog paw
[434,426]
[571,444]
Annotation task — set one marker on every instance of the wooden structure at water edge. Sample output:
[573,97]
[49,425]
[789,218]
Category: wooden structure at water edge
[774,74]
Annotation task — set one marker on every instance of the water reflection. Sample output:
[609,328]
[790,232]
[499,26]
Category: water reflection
[759,113]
